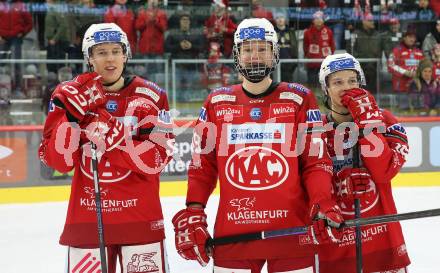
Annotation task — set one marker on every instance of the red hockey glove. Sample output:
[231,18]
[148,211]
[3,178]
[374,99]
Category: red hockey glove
[83,93]
[191,233]
[103,129]
[353,182]
[327,218]
[362,106]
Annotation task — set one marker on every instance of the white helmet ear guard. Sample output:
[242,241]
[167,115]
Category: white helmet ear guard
[104,33]
[255,29]
[338,62]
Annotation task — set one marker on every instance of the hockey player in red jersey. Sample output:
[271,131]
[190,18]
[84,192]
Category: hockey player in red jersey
[127,117]
[384,249]
[246,137]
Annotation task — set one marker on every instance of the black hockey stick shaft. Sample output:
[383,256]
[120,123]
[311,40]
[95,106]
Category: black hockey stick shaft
[357,215]
[303,230]
[102,253]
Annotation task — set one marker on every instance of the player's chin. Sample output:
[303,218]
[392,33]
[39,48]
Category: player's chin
[110,76]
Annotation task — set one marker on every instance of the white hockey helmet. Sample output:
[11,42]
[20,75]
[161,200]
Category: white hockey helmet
[255,29]
[338,62]
[104,33]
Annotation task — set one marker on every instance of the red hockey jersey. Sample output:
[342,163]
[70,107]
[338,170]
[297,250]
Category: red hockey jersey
[318,44]
[248,142]
[129,175]
[383,246]
[401,60]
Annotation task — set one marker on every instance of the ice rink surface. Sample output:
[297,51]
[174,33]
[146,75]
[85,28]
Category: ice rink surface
[29,234]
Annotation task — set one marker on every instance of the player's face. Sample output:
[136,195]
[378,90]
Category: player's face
[108,61]
[339,82]
[254,53]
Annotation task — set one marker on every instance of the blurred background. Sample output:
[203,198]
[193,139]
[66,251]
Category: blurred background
[185,46]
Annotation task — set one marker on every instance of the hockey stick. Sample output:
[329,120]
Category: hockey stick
[382,219]
[102,253]
[357,215]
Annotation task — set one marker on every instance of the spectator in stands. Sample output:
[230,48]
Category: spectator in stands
[431,40]
[435,53]
[215,74]
[80,19]
[124,17]
[318,44]
[402,64]
[15,23]
[258,11]
[57,35]
[424,91]
[86,14]
[152,24]
[367,44]
[360,8]
[75,52]
[184,43]
[424,18]
[288,46]
[391,37]
[199,13]
[220,27]
[336,20]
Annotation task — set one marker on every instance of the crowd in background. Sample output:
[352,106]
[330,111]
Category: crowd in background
[404,35]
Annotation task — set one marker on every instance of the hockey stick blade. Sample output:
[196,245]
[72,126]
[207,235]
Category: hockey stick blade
[303,230]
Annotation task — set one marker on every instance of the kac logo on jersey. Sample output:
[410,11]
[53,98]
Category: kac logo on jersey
[255,113]
[369,198]
[256,168]
[313,115]
[202,115]
[111,106]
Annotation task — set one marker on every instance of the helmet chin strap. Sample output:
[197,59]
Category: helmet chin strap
[327,105]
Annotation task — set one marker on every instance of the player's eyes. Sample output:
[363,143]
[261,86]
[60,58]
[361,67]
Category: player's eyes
[353,81]
[117,52]
[338,83]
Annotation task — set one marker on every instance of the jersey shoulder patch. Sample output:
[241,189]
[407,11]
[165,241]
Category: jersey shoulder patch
[299,88]
[294,92]
[147,89]
[225,89]
[223,94]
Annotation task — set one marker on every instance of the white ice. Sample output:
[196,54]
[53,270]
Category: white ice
[29,234]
